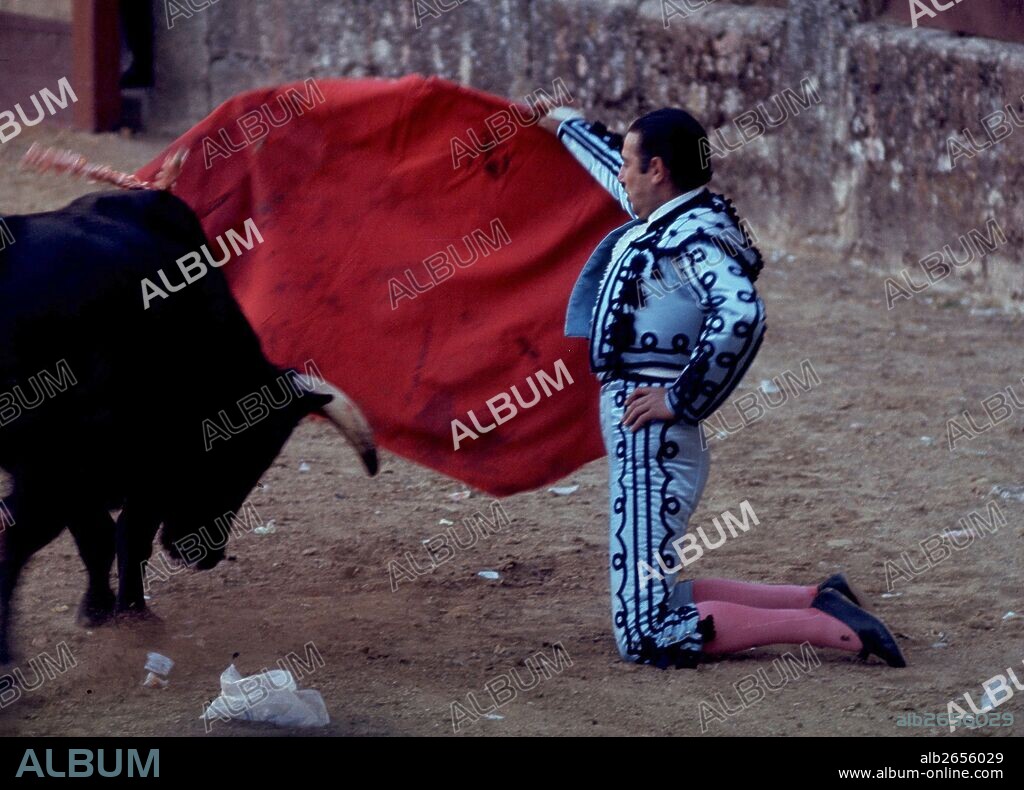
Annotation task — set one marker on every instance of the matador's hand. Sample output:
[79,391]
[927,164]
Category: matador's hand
[645,405]
[554,116]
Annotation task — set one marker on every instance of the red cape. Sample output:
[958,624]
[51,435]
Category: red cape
[360,185]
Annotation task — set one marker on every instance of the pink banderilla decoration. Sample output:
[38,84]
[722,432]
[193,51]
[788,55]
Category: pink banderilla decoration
[69,163]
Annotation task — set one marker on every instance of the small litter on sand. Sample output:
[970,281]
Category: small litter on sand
[158,667]
[265,529]
[1015,493]
[281,703]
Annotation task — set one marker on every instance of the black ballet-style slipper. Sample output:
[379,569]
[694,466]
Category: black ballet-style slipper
[873,634]
[841,584]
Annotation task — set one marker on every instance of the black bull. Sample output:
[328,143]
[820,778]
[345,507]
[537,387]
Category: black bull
[116,420]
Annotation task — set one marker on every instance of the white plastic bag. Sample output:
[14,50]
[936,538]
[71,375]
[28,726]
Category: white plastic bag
[270,696]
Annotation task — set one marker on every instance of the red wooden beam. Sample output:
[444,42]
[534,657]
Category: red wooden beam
[96,41]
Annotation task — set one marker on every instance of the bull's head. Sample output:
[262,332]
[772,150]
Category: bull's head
[195,531]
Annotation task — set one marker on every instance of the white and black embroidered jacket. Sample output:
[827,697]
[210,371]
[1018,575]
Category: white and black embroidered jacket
[675,293]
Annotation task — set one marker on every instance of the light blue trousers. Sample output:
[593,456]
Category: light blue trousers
[656,477]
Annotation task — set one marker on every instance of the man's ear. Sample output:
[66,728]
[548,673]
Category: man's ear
[659,173]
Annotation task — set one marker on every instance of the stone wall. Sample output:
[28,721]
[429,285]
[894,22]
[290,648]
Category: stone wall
[42,9]
[862,162]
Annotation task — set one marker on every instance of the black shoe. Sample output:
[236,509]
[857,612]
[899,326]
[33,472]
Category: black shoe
[841,584]
[872,632]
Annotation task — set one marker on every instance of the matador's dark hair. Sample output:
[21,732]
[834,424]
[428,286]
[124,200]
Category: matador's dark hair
[676,137]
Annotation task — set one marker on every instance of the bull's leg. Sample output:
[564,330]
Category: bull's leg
[32,528]
[136,529]
[94,534]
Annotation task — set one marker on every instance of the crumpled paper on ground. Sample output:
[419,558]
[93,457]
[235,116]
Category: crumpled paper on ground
[271,696]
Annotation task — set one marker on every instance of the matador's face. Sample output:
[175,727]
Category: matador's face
[644,189]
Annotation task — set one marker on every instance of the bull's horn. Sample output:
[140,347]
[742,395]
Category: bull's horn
[347,418]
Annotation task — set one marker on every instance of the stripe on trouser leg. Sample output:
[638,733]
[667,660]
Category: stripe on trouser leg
[656,477]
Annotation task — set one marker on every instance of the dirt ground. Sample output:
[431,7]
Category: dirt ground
[845,476]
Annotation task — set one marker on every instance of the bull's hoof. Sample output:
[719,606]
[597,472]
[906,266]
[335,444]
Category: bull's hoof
[135,615]
[94,611]
[130,605]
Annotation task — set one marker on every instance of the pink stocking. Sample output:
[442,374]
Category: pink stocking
[740,627]
[761,596]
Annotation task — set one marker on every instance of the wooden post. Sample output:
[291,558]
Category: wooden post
[96,41]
